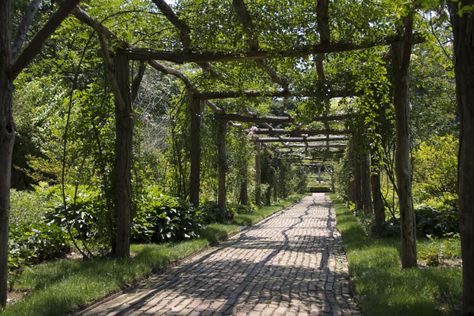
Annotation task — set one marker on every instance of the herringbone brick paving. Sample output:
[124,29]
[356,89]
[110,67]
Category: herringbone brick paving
[290,264]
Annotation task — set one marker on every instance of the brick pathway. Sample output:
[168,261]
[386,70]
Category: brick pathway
[290,264]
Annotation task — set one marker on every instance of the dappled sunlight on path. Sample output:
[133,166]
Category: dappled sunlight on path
[290,264]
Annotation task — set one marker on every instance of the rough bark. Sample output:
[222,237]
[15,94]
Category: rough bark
[401,53]
[258,175]
[7,139]
[221,164]
[464,70]
[365,183]
[195,154]
[123,158]
[243,196]
[379,208]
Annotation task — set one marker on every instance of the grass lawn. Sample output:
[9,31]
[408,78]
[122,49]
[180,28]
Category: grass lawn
[383,288]
[60,287]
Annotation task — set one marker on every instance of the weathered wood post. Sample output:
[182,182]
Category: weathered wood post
[221,163]
[365,182]
[357,170]
[464,70]
[258,174]
[7,139]
[243,196]
[401,52]
[122,195]
[195,154]
[378,204]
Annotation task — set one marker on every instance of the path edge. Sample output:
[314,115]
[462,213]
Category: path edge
[81,310]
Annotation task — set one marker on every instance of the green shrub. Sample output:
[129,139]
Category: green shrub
[434,167]
[36,242]
[212,213]
[84,217]
[164,218]
[29,206]
[436,222]
[244,209]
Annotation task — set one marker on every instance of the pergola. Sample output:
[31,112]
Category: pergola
[277,129]
[268,128]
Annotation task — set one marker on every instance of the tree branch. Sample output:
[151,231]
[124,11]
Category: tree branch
[34,46]
[25,26]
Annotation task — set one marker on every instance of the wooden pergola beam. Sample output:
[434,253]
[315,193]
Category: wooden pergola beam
[181,57]
[34,46]
[315,146]
[277,119]
[213,95]
[295,133]
[298,139]
[184,31]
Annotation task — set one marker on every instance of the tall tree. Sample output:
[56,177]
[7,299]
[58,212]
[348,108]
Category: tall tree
[9,70]
[462,19]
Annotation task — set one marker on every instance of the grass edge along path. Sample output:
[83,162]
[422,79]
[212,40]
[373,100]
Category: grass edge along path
[381,286]
[63,286]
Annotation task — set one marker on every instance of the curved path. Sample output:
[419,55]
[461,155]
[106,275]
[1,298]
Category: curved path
[289,264]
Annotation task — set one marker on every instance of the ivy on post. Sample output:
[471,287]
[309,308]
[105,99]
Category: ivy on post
[195,153]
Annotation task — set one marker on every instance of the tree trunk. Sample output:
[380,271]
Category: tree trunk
[123,158]
[356,169]
[258,175]
[275,186]
[243,196]
[401,52]
[365,183]
[221,164]
[195,154]
[7,139]
[464,70]
[379,208]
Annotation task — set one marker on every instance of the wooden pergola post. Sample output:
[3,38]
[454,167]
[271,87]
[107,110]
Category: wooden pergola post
[195,153]
[365,182]
[221,163]
[123,157]
[401,53]
[243,196]
[258,174]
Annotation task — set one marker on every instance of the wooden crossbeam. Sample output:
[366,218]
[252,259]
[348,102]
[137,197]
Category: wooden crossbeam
[83,17]
[223,56]
[213,95]
[255,119]
[316,146]
[298,139]
[295,133]
[184,30]
[34,46]
[277,119]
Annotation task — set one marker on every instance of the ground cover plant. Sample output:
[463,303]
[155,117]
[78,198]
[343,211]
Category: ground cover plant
[383,287]
[59,287]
